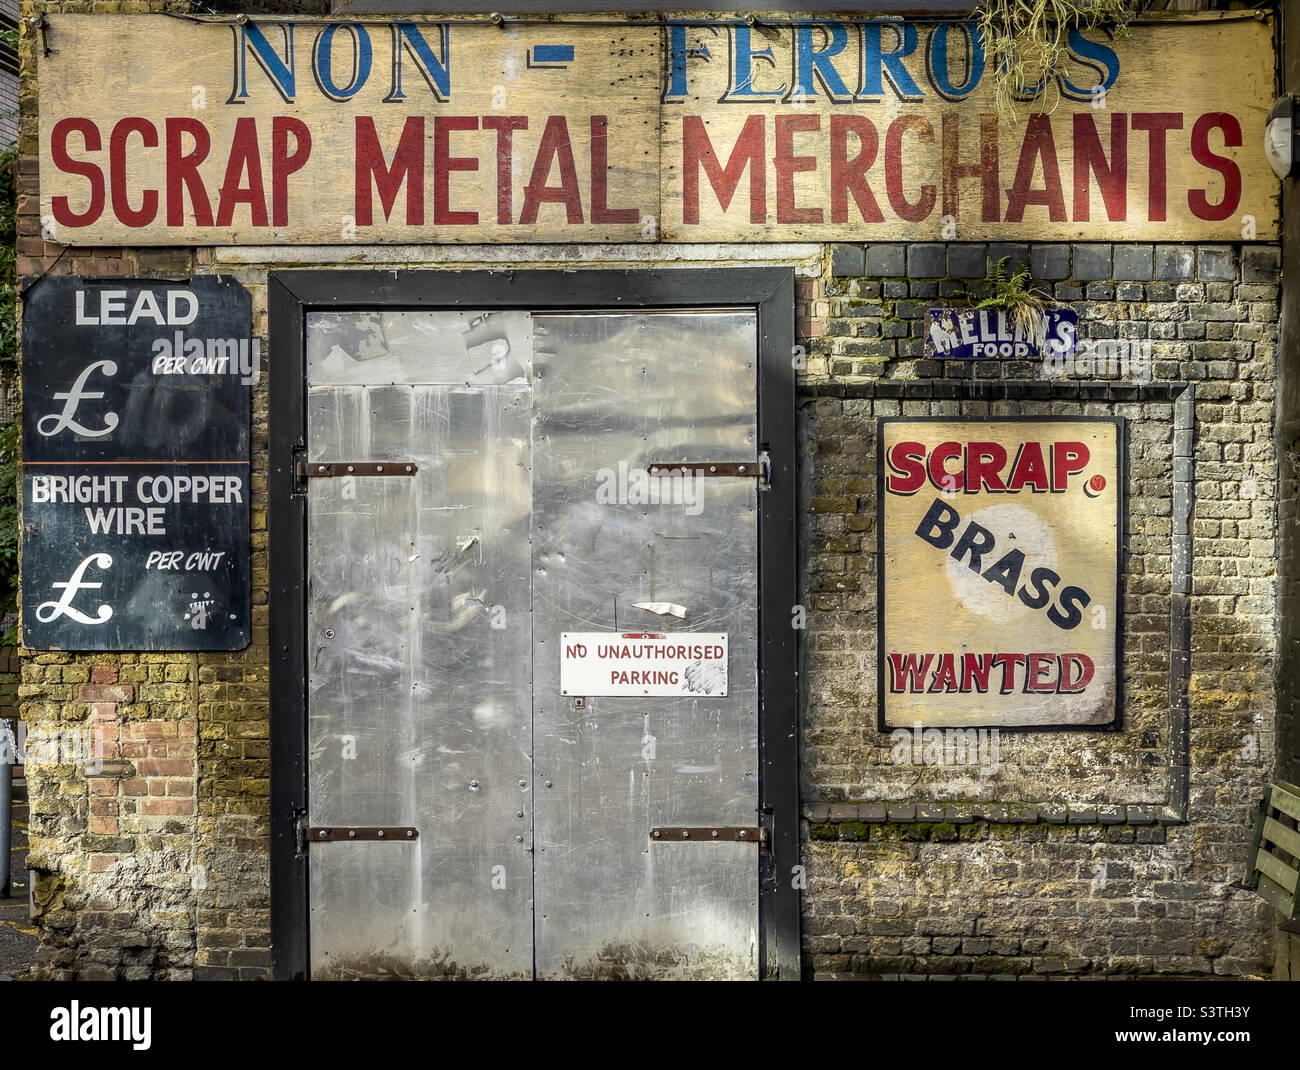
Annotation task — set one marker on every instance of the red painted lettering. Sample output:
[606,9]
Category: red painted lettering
[1068,458]
[556,148]
[1197,199]
[63,213]
[600,210]
[444,163]
[183,171]
[787,165]
[849,176]
[284,163]
[912,211]
[1038,146]
[1090,159]
[905,459]
[117,180]
[1156,124]
[747,153]
[986,170]
[244,157]
[505,126]
[407,169]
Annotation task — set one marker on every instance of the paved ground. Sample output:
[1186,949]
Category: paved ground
[17,937]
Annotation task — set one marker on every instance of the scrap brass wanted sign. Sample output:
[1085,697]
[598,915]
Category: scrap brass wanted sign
[999,571]
[157,130]
[644,663]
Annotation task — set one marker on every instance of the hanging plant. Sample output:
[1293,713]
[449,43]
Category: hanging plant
[1025,43]
[1023,303]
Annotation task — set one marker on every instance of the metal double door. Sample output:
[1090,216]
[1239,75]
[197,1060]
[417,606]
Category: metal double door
[478,486]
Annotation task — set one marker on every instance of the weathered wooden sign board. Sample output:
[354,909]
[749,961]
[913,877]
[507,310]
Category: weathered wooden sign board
[999,572]
[136,406]
[167,131]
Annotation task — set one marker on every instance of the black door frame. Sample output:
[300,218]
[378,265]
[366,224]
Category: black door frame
[770,293]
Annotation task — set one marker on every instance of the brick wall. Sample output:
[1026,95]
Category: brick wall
[149,804]
[1288,437]
[1073,858]
[8,76]
[9,681]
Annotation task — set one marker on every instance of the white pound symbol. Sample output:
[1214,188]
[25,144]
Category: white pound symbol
[73,398]
[48,611]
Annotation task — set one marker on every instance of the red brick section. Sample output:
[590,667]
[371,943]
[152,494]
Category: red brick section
[147,767]
[809,311]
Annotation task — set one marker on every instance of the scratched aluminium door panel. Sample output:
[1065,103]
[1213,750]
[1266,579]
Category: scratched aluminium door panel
[419,644]
[614,393]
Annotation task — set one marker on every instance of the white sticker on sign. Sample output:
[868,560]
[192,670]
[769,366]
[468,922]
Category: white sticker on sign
[643,663]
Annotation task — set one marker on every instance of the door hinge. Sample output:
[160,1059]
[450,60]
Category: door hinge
[709,834]
[337,469]
[335,833]
[760,469]
[304,470]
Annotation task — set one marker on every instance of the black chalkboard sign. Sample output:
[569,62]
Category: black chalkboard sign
[137,398]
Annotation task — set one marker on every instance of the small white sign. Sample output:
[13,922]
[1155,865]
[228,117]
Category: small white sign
[643,663]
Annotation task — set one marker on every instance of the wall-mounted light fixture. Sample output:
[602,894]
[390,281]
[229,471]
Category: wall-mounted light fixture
[1280,138]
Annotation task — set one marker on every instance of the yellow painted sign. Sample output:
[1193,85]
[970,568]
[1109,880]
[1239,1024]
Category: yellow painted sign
[999,565]
[156,130]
